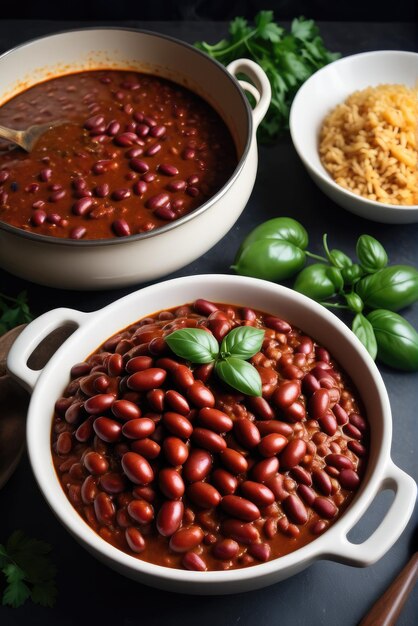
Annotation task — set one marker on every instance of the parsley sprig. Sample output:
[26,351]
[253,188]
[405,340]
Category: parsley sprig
[28,571]
[288,58]
[13,311]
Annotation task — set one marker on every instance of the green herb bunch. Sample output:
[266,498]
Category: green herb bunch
[288,58]
[13,311]
[27,571]
[230,358]
[368,287]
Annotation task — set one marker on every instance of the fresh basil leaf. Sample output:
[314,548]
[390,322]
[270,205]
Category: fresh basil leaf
[240,375]
[242,342]
[193,344]
[363,329]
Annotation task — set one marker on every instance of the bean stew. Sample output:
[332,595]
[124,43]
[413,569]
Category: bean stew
[171,465]
[135,152]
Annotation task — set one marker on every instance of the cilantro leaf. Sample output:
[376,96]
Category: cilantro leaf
[16,594]
[267,28]
[44,594]
[13,311]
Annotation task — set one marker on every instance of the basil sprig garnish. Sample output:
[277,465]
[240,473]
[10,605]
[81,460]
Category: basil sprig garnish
[241,343]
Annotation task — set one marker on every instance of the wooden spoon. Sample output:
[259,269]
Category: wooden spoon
[14,400]
[27,138]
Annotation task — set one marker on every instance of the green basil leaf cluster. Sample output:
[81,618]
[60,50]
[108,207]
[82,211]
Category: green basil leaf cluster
[200,346]
[371,289]
[275,250]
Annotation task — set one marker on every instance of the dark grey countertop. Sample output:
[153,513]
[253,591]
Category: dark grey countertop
[327,593]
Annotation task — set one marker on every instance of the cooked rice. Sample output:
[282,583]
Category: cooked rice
[369,144]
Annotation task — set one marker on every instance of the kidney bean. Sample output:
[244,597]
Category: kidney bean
[293,453]
[197,466]
[167,169]
[204,307]
[260,551]
[194,562]
[104,509]
[147,379]
[357,448]
[141,511]
[112,482]
[286,394]
[208,440]
[245,533]
[319,403]
[200,396]
[233,460]
[301,475]
[352,431]
[135,540]
[261,407]
[224,481]
[64,443]
[139,364]
[325,507]
[349,479]
[107,429]
[175,450]
[310,384]
[85,430]
[38,217]
[99,403]
[186,538]
[126,410]
[177,424]
[358,421]
[225,549]
[89,490]
[171,483]
[307,494]
[177,402]
[169,517]
[82,206]
[295,412]
[246,433]
[277,324]
[257,492]
[265,469]
[146,447]
[215,420]
[295,509]
[121,228]
[328,424]
[138,428]
[340,414]
[95,463]
[274,426]
[322,481]
[204,495]
[339,461]
[183,376]
[272,444]
[137,468]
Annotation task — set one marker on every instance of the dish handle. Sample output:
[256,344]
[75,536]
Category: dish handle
[260,90]
[30,338]
[389,529]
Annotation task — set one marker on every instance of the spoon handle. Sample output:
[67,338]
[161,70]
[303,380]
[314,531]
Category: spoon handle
[11,134]
[387,609]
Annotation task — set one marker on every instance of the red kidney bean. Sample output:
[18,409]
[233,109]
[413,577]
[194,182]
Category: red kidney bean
[85,430]
[175,450]
[140,187]
[194,562]
[265,469]
[301,475]
[204,495]
[233,460]
[204,307]
[158,131]
[322,481]
[183,376]
[74,412]
[272,444]
[291,371]
[107,429]
[186,539]
[305,346]
[176,185]
[325,507]
[224,481]
[38,217]
[275,483]
[138,165]
[153,150]
[138,364]
[121,194]
[95,463]
[310,384]
[82,206]
[94,122]
[293,453]
[64,443]
[339,461]
[104,509]
[358,421]
[260,551]
[177,424]
[171,483]
[45,174]
[141,511]
[340,414]
[203,372]
[328,424]
[99,403]
[138,428]
[286,394]
[257,493]
[215,420]
[157,201]
[141,492]
[208,440]
[307,494]
[349,479]
[169,517]
[165,213]
[352,431]
[319,403]
[277,324]
[245,533]
[142,130]
[137,468]
[225,549]
[121,228]
[295,509]
[112,483]
[155,399]
[135,540]
[357,448]
[295,412]
[167,169]
[261,407]
[146,447]
[177,402]
[126,139]
[247,433]
[126,410]
[147,379]
[274,426]
[89,490]
[197,466]
[201,396]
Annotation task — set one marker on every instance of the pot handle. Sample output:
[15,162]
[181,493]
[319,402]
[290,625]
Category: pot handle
[389,529]
[261,89]
[31,337]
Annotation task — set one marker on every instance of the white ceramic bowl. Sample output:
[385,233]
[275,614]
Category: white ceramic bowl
[100,264]
[94,328]
[326,89]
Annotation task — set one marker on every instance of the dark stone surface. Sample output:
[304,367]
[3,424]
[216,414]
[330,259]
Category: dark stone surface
[325,594]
